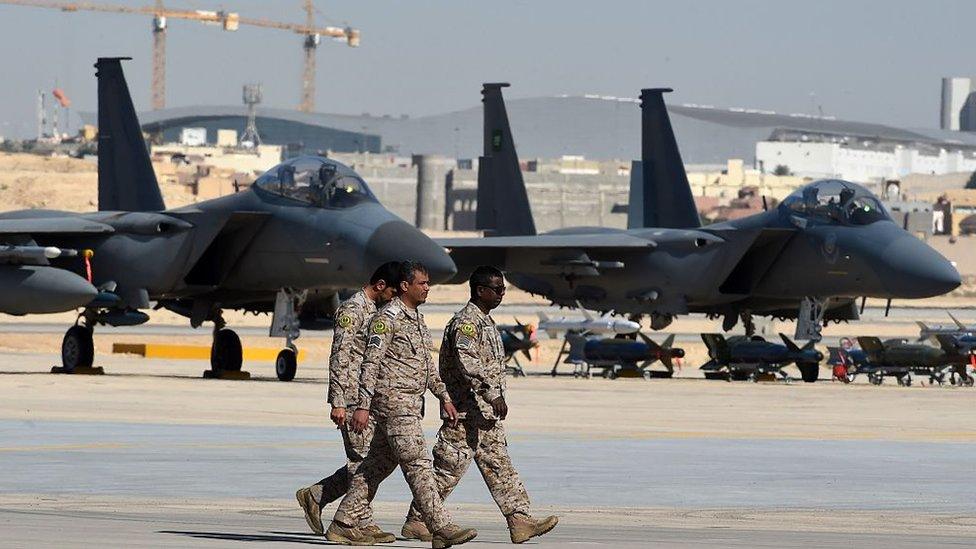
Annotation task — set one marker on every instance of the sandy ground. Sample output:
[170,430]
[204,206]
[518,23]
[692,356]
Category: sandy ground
[28,181]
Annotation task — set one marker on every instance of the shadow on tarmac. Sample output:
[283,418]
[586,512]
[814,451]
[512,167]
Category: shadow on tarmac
[289,537]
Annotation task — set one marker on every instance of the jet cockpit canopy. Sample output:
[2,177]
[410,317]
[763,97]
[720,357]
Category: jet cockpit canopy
[317,181]
[836,201]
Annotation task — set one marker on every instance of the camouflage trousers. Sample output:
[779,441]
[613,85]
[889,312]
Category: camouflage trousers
[336,485]
[484,441]
[399,441]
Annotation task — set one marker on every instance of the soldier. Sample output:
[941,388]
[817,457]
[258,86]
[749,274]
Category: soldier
[348,344]
[396,372]
[472,365]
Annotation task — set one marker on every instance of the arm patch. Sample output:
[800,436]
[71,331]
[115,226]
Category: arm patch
[375,340]
[464,342]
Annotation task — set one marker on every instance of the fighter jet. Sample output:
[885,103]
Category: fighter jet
[743,357]
[304,230]
[604,324]
[810,258]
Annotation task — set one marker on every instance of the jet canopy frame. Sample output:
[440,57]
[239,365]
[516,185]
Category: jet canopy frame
[836,201]
[316,181]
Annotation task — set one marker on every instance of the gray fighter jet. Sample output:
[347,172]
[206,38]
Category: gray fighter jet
[304,230]
[810,258]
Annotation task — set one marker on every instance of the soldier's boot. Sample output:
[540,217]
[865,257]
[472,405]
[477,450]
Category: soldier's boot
[415,529]
[346,535]
[379,536]
[452,534]
[523,527]
[313,512]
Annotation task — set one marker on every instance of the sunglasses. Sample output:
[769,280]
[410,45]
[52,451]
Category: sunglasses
[499,290]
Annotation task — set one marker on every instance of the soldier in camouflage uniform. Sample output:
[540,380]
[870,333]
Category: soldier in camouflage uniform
[348,345]
[396,372]
[472,365]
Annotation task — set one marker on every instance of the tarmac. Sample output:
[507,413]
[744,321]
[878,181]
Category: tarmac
[149,455]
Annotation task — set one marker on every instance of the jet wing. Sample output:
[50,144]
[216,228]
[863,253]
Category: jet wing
[566,254]
[550,241]
[53,225]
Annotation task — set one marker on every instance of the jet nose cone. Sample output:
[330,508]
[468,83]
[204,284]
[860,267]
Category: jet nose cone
[400,241]
[915,270]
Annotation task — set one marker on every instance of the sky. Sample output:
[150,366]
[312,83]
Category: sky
[872,61]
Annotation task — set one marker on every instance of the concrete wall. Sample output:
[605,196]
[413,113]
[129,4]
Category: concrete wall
[394,186]
[557,200]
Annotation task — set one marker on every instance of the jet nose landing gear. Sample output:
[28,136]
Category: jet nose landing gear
[286,364]
[288,303]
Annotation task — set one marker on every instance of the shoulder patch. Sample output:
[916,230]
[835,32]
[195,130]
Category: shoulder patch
[391,311]
[379,327]
[375,341]
[467,329]
[464,343]
[345,320]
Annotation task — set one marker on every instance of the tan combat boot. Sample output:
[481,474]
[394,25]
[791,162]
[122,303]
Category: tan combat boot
[452,534]
[345,535]
[313,513]
[379,536]
[415,529]
[523,527]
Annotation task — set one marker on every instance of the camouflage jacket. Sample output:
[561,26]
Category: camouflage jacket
[472,362]
[348,345]
[398,367]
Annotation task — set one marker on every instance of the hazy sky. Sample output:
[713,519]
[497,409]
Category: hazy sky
[876,61]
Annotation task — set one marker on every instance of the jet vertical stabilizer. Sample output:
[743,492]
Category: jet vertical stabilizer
[635,198]
[126,180]
[503,205]
[666,199]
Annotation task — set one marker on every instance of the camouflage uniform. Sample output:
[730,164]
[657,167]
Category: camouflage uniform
[397,370]
[348,345]
[472,365]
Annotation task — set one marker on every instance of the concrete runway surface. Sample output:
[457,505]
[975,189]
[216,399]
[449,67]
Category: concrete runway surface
[162,485]
[150,455]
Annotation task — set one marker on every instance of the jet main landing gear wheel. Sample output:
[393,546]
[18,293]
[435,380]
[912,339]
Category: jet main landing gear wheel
[226,354]
[77,348]
[286,364]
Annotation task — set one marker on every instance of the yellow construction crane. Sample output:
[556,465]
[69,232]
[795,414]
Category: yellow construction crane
[230,21]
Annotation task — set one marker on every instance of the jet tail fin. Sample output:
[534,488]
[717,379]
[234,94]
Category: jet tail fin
[503,204]
[666,195]
[126,180]
[635,197]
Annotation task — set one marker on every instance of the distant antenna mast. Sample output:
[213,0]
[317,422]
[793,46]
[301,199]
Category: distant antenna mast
[253,94]
[41,115]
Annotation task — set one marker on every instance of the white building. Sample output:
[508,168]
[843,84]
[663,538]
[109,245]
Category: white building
[862,163]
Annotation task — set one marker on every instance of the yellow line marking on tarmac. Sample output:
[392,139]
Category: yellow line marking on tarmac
[191,352]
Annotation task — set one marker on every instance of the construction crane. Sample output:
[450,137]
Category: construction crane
[230,21]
